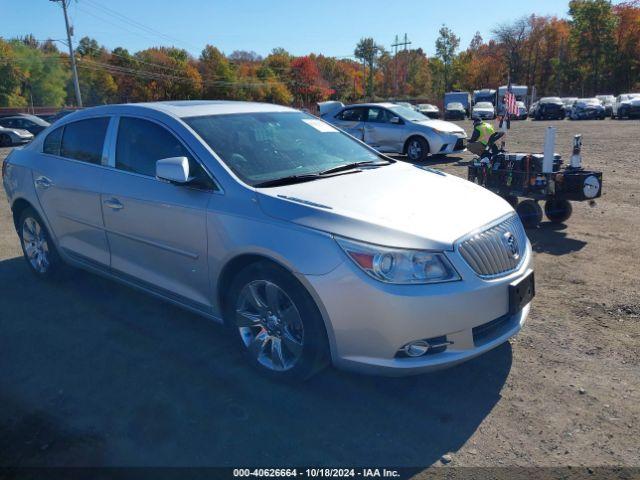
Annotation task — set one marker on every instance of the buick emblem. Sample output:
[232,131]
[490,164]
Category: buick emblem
[511,244]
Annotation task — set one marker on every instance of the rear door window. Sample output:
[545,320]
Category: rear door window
[52,142]
[83,140]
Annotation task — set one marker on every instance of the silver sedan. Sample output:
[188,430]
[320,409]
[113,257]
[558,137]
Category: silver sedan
[392,128]
[14,136]
[309,245]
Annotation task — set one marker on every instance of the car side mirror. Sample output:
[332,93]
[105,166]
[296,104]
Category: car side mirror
[173,169]
[395,120]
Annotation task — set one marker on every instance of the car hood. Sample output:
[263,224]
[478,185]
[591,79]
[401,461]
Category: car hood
[483,109]
[440,125]
[399,205]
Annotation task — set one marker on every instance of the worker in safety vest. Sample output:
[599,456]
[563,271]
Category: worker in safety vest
[482,132]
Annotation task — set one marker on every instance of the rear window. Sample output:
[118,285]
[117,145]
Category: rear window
[52,142]
[83,140]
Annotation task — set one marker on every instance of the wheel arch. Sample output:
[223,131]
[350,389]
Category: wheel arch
[234,265]
[412,136]
[18,206]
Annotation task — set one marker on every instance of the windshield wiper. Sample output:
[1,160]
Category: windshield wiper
[351,166]
[288,180]
[329,172]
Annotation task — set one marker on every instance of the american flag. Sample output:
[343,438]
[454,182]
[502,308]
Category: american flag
[510,105]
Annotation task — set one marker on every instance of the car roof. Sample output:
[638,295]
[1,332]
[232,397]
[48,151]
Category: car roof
[184,108]
[366,105]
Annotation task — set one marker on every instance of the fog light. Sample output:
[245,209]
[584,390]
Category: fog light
[416,349]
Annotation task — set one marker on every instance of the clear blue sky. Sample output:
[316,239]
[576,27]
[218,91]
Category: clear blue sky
[331,27]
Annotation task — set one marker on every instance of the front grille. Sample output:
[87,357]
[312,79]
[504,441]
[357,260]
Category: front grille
[496,251]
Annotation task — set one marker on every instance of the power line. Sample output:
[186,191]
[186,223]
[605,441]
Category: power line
[134,23]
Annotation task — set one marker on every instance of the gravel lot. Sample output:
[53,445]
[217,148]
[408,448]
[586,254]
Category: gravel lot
[94,373]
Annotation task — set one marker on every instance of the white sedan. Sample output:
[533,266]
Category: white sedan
[391,128]
[14,136]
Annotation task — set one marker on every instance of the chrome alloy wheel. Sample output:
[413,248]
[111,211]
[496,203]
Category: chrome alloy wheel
[35,245]
[270,325]
[414,150]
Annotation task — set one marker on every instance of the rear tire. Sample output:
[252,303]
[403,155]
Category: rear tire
[530,213]
[276,322]
[37,247]
[558,211]
[417,149]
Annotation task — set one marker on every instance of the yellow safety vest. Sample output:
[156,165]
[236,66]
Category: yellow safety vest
[485,130]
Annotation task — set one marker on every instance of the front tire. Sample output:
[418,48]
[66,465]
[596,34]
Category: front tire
[530,213]
[37,247]
[277,323]
[417,149]
[5,140]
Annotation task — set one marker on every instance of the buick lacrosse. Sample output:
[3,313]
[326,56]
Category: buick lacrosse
[310,246]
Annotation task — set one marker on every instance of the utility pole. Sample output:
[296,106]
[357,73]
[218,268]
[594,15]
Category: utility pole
[74,69]
[397,43]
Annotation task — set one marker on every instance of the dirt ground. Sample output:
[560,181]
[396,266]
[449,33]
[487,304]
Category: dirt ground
[94,373]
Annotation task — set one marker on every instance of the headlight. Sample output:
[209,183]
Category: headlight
[400,266]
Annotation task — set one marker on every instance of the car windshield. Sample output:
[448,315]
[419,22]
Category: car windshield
[590,101]
[36,120]
[426,106]
[407,113]
[484,105]
[260,147]
[455,106]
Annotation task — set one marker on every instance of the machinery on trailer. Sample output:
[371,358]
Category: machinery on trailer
[536,177]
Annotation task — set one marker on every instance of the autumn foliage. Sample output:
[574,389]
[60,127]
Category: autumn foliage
[595,50]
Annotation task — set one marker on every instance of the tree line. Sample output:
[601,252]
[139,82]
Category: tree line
[595,50]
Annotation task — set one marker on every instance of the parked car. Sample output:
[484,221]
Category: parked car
[429,110]
[14,136]
[522,111]
[62,113]
[454,111]
[31,123]
[588,109]
[391,128]
[217,207]
[464,98]
[533,108]
[568,104]
[407,105]
[549,108]
[607,101]
[483,110]
[627,105]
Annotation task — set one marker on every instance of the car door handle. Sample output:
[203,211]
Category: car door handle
[114,204]
[43,182]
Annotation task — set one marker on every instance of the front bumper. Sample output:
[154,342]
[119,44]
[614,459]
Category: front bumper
[630,111]
[369,321]
[453,144]
[588,114]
